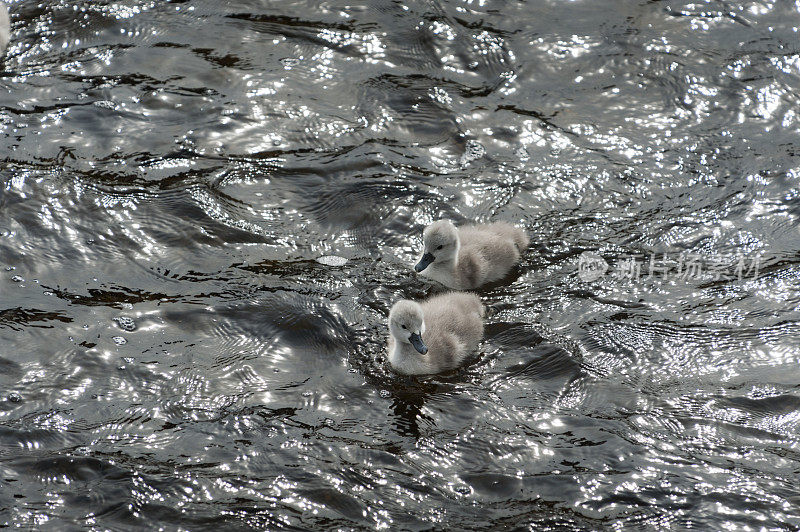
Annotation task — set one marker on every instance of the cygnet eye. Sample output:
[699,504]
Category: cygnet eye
[403,326]
[440,247]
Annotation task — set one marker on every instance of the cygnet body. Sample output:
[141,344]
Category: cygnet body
[465,258]
[5,27]
[435,335]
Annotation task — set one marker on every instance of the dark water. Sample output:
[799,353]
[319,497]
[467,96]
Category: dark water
[173,354]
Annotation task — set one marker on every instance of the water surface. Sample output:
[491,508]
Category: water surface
[207,209]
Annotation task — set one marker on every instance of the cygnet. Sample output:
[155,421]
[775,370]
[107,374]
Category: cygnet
[465,258]
[5,27]
[435,335]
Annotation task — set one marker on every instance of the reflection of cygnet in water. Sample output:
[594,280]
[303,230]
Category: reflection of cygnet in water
[435,335]
[5,27]
[468,257]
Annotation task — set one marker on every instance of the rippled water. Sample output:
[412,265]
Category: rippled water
[207,209]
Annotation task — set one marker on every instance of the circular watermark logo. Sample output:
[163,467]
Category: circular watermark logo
[591,266]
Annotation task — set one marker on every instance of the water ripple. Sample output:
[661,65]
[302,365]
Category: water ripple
[206,212]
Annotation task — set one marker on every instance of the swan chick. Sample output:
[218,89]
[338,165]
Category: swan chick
[468,257]
[5,27]
[435,335]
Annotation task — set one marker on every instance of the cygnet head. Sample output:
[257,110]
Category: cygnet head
[440,244]
[406,324]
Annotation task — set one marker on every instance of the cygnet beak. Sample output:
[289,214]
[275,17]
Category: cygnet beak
[419,345]
[426,259]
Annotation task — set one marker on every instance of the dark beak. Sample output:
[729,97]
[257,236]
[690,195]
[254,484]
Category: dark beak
[419,345]
[424,262]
